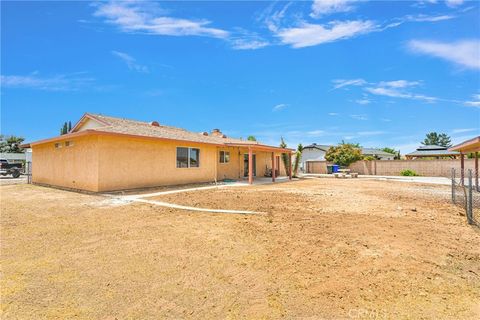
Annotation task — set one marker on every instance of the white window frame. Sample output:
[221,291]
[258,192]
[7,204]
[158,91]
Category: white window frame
[188,158]
[224,153]
[58,145]
[69,143]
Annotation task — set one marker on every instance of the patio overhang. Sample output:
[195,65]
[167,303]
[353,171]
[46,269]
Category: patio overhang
[468,146]
[260,147]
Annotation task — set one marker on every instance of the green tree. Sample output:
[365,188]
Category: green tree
[11,144]
[344,154]
[353,144]
[285,157]
[434,138]
[298,157]
[251,138]
[69,126]
[64,128]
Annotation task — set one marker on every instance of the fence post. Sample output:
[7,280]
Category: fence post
[469,201]
[453,185]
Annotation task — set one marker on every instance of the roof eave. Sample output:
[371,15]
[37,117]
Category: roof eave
[471,145]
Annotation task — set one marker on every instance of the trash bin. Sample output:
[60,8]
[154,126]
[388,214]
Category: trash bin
[335,168]
[329,169]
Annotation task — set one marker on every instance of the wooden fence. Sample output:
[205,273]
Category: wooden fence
[428,168]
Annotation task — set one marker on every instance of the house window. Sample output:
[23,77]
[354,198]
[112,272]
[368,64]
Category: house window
[68,143]
[58,145]
[224,157]
[188,157]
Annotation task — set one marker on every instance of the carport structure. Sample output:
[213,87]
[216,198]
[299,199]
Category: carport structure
[471,146]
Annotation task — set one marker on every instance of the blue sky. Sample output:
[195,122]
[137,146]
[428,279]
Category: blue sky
[380,73]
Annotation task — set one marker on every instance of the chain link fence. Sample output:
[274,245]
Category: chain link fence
[28,171]
[466,193]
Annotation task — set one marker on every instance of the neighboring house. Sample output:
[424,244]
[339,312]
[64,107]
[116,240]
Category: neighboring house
[378,154]
[432,151]
[316,152]
[103,153]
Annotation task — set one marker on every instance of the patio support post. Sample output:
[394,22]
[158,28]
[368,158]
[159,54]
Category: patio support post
[273,167]
[291,167]
[462,168]
[476,171]
[250,166]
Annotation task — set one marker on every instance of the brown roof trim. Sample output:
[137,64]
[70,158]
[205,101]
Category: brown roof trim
[467,146]
[62,137]
[260,147]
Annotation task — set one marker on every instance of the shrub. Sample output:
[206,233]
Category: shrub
[369,158]
[343,155]
[408,173]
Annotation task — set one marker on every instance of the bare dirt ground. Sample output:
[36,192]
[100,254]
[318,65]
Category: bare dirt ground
[325,249]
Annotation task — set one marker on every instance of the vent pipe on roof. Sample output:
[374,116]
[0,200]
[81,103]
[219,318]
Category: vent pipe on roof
[216,133]
[155,124]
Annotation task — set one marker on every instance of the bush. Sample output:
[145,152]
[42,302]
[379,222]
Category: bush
[408,173]
[369,158]
[343,155]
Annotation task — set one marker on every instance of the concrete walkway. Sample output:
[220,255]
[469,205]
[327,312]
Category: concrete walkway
[141,197]
[430,180]
[176,206]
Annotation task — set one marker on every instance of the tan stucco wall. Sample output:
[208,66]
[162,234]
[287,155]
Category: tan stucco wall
[127,163]
[73,167]
[107,163]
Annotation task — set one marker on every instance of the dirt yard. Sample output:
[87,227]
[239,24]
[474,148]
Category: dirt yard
[322,249]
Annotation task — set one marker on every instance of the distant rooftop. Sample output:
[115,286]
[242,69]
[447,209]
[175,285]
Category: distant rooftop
[432,151]
[432,147]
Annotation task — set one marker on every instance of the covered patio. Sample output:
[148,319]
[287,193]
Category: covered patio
[274,153]
[471,146]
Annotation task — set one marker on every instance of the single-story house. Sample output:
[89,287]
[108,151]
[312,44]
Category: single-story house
[316,152]
[432,151]
[104,153]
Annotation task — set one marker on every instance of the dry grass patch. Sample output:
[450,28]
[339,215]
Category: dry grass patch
[327,249]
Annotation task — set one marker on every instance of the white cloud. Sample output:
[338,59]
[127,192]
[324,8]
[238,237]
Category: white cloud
[316,133]
[130,61]
[333,114]
[359,117]
[280,106]
[340,83]
[393,89]
[454,3]
[425,18]
[464,130]
[363,101]
[370,133]
[144,17]
[243,44]
[323,7]
[399,83]
[475,102]
[64,82]
[465,53]
[307,34]
[395,93]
